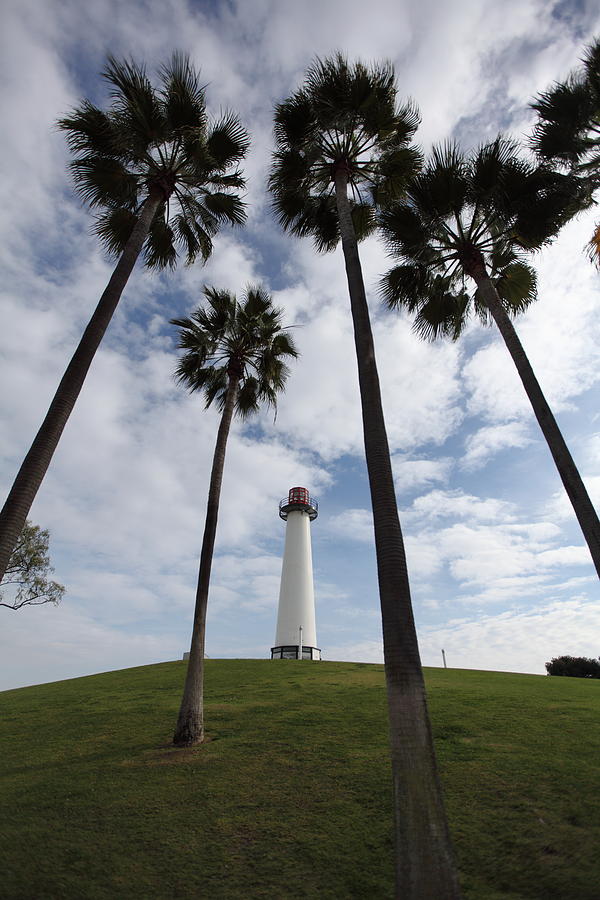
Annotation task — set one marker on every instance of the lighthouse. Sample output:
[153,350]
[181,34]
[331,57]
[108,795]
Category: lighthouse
[296,636]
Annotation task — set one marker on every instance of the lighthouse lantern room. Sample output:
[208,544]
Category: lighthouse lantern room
[296,636]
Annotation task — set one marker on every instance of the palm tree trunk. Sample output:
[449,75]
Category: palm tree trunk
[190,722]
[36,463]
[425,867]
[574,486]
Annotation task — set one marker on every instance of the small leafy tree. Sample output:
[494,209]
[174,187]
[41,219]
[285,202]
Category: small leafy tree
[26,580]
[574,667]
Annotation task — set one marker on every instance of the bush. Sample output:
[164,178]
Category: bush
[574,667]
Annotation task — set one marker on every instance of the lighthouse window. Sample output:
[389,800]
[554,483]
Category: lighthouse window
[306,653]
[290,654]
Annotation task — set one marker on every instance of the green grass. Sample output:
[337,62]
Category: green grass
[290,796]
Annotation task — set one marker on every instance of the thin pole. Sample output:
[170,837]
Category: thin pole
[300,644]
[444,658]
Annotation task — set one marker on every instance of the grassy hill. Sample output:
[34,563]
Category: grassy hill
[290,797]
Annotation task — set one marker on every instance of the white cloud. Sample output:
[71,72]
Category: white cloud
[49,644]
[516,640]
[558,508]
[512,641]
[564,349]
[410,474]
[480,554]
[359,651]
[355,524]
[456,504]
[491,439]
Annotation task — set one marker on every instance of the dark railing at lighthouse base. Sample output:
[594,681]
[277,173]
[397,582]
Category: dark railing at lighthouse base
[289,651]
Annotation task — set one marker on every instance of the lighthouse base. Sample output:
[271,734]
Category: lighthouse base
[291,651]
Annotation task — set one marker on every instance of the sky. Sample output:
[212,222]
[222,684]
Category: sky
[500,576]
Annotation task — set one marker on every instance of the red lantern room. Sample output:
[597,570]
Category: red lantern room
[298,498]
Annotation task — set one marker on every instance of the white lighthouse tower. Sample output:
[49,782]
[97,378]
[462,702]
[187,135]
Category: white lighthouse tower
[296,636]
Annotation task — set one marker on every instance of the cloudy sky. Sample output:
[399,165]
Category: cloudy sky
[500,575]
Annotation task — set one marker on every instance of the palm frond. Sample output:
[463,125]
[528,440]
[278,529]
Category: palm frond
[182,95]
[489,168]
[517,287]
[159,247]
[295,122]
[442,186]
[186,237]
[215,387]
[193,207]
[137,106]
[256,303]
[284,345]
[405,285]
[230,180]
[546,201]
[114,227]
[564,114]
[228,141]
[407,120]
[443,314]
[105,181]
[247,400]
[315,217]
[245,339]
[290,173]
[91,132]
[226,207]
[363,219]
[395,170]
[404,230]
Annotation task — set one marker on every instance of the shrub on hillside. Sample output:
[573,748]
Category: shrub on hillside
[574,667]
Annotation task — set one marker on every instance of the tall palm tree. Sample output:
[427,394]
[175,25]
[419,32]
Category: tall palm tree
[478,217]
[342,148]
[235,353]
[567,130]
[162,180]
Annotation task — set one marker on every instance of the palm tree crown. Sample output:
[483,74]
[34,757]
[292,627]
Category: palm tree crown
[160,178]
[477,217]
[469,217]
[240,339]
[568,126]
[161,142]
[567,130]
[344,117]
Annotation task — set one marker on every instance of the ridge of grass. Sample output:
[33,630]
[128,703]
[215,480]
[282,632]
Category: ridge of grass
[290,795]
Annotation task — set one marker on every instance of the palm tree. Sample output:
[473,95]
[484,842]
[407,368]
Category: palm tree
[235,354]
[342,148]
[479,217]
[567,130]
[163,180]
